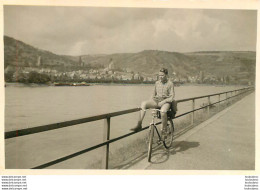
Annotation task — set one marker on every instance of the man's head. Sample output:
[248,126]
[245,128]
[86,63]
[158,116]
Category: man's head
[163,73]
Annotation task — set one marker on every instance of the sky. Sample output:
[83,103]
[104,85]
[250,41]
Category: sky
[97,30]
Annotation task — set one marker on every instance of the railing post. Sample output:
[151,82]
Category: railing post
[229,95]
[226,99]
[208,104]
[106,137]
[192,115]
[218,102]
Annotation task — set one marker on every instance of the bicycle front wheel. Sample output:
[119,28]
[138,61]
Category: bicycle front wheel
[150,144]
[170,133]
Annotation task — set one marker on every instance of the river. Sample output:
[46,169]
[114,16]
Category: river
[30,106]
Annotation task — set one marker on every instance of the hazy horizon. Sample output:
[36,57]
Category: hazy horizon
[133,52]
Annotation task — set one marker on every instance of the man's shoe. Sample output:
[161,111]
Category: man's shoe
[137,128]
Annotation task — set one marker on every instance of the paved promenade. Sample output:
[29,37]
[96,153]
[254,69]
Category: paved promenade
[224,142]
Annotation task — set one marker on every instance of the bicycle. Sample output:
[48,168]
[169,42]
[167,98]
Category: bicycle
[167,142]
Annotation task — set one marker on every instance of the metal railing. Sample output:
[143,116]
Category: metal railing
[106,127]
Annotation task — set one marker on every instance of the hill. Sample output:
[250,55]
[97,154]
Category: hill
[18,53]
[239,65]
[148,61]
[236,65]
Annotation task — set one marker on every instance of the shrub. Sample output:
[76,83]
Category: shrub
[35,77]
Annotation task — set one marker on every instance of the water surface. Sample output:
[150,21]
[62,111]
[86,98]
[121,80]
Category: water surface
[30,106]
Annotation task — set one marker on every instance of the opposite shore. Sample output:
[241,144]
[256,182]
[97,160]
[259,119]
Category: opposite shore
[106,84]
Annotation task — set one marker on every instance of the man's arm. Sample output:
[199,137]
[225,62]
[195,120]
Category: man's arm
[171,96]
[154,92]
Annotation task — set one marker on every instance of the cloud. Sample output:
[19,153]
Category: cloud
[93,30]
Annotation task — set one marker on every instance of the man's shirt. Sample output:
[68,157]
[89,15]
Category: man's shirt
[163,91]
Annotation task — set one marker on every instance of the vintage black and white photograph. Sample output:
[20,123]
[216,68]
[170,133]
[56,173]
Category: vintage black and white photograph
[129,88]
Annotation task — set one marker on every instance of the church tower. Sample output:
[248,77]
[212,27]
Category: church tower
[111,65]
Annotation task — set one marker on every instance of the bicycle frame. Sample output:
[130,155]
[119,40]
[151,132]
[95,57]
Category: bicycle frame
[153,124]
[151,133]
[155,115]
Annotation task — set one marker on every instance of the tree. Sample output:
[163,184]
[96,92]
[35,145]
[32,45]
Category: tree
[9,76]
[35,77]
[227,79]
[19,76]
[80,61]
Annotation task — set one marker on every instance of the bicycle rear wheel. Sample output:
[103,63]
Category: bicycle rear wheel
[150,144]
[170,133]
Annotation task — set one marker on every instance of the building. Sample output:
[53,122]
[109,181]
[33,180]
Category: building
[80,63]
[137,76]
[201,76]
[127,76]
[111,65]
[38,61]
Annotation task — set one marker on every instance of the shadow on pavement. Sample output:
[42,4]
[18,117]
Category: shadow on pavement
[163,155]
[181,146]
[160,157]
[160,154]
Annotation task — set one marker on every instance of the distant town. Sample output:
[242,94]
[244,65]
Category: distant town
[38,73]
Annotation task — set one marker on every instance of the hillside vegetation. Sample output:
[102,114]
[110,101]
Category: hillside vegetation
[20,54]
[219,64]
[232,63]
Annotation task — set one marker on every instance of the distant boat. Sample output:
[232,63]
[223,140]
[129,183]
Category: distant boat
[71,84]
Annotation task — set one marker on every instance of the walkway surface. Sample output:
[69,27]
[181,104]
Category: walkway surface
[224,142]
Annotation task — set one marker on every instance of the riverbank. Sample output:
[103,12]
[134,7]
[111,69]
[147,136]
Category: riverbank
[15,84]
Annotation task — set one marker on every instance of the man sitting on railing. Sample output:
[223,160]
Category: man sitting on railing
[162,97]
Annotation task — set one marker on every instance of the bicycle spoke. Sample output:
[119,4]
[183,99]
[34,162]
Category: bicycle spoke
[169,132]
